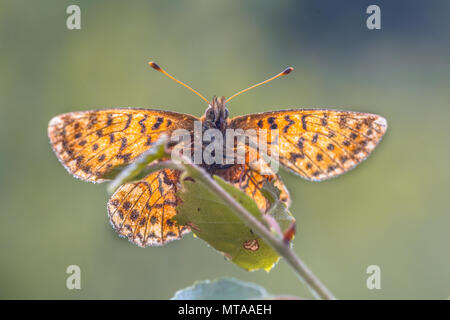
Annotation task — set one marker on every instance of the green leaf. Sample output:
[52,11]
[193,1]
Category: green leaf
[212,220]
[222,289]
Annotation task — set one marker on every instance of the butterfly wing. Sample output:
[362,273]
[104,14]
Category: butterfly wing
[142,211]
[251,182]
[88,143]
[251,176]
[318,144]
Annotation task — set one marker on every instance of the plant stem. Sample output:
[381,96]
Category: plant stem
[304,273]
[181,163]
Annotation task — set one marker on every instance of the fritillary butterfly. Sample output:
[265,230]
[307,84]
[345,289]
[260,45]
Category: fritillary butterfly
[316,144]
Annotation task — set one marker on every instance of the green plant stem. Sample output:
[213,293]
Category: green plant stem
[318,289]
[303,272]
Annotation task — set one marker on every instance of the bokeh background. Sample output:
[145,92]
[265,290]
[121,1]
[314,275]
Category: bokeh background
[392,210]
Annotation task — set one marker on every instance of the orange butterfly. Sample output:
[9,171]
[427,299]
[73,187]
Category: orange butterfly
[316,144]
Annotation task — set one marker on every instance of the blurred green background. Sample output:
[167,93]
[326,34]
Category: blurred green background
[392,210]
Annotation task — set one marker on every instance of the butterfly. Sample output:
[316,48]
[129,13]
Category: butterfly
[316,144]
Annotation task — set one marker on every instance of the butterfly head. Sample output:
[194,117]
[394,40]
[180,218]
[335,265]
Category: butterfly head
[216,115]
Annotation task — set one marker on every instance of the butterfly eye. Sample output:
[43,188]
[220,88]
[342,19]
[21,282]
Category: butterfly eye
[226,112]
[209,114]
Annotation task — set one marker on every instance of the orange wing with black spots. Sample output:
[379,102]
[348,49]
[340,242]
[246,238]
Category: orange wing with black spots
[251,182]
[88,143]
[143,211]
[318,144]
[251,176]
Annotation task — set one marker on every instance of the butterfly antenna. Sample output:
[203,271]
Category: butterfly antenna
[285,72]
[158,68]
